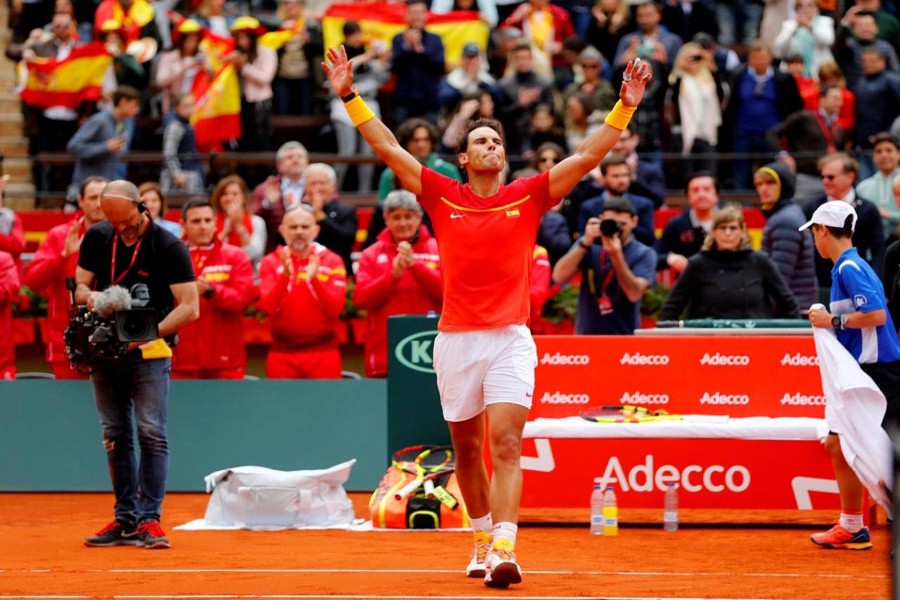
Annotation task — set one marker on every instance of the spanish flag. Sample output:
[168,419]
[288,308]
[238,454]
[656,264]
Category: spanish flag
[67,82]
[276,39]
[218,115]
[382,21]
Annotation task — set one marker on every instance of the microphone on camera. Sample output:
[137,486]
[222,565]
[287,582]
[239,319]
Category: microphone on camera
[110,300]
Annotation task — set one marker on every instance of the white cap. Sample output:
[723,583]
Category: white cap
[833,213]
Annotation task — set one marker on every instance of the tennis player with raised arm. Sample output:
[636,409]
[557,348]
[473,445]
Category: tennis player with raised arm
[484,355]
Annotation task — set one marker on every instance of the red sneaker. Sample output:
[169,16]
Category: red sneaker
[839,538]
[152,536]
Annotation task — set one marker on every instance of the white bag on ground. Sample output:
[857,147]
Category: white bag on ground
[261,498]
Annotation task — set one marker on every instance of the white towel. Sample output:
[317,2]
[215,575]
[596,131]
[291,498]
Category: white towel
[854,408]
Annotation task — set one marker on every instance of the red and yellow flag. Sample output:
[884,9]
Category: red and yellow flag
[218,115]
[382,21]
[67,82]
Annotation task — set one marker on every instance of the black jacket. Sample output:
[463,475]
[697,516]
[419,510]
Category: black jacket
[892,282]
[740,284]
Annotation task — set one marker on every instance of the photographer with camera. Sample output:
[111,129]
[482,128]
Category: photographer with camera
[131,251]
[617,270]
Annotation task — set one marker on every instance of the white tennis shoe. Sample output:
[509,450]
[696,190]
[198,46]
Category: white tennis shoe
[475,567]
[501,567]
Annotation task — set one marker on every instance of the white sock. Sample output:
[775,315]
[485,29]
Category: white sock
[852,522]
[484,524]
[505,530]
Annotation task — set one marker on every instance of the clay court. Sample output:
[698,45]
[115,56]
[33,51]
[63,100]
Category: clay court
[43,556]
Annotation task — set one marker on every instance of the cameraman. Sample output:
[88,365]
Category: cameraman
[616,271]
[128,249]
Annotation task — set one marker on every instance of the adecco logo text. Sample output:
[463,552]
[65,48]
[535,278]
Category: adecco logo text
[643,359]
[799,360]
[557,398]
[415,351]
[719,398]
[798,399]
[726,360]
[565,359]
[693,478]
[639,398]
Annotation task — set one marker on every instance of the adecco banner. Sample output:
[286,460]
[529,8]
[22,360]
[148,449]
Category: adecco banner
[710,473]
[739,376]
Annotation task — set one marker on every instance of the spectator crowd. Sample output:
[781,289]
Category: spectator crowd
[805,100]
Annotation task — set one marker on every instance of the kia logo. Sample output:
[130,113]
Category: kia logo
[415,351]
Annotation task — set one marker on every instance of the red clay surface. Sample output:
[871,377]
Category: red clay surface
[42,555]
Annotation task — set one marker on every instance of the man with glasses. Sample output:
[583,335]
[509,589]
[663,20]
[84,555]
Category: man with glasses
[839,172]
[600,91]
[616,271]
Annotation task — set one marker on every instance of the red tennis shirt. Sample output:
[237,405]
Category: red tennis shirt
[486,247]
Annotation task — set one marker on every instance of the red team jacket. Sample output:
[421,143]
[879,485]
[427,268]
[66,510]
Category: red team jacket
[416,292]
[216,339]
[46,275]
[302,312]
[9,291]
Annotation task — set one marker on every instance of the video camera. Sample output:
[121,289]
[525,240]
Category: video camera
[119,317]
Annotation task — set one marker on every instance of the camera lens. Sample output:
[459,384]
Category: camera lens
[610,227]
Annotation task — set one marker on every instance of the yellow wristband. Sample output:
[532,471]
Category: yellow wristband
[619,116]
[358,111]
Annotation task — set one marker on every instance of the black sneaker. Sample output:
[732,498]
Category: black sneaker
[114,534]
[152,536]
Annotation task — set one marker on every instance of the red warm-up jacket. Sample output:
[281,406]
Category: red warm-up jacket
[9,291]
[540,281]
[216,339]
[303,311]
[46,275]
[416,292]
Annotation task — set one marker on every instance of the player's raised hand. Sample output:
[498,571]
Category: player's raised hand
[637,75]
[339,70]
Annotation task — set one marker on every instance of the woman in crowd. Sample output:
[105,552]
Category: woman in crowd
[256,66]
[611,20]
[695,108]
[399,274]
[179,67]
[234,223]
[728,279]
[157,206]
[581,121]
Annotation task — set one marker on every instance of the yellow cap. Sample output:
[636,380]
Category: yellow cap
[189,26]
[246,24]
[111,25]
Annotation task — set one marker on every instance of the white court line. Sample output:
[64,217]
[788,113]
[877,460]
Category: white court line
[455,571]
[529,572]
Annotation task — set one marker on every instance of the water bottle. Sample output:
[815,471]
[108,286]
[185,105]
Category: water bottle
[610,512]
[597,510]
[670,514]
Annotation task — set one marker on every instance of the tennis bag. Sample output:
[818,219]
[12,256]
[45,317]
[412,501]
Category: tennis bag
[417,510]
[261,498]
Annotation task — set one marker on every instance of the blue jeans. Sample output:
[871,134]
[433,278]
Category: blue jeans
[738,21]
[746,142]
[125,391]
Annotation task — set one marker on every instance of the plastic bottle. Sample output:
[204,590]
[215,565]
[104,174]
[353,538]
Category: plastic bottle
[597,510]
[670,514]
[610,512]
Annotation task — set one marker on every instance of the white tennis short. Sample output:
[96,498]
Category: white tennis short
[477,368]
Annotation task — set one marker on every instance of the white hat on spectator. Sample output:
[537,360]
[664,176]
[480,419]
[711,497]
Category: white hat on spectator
[834,213]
